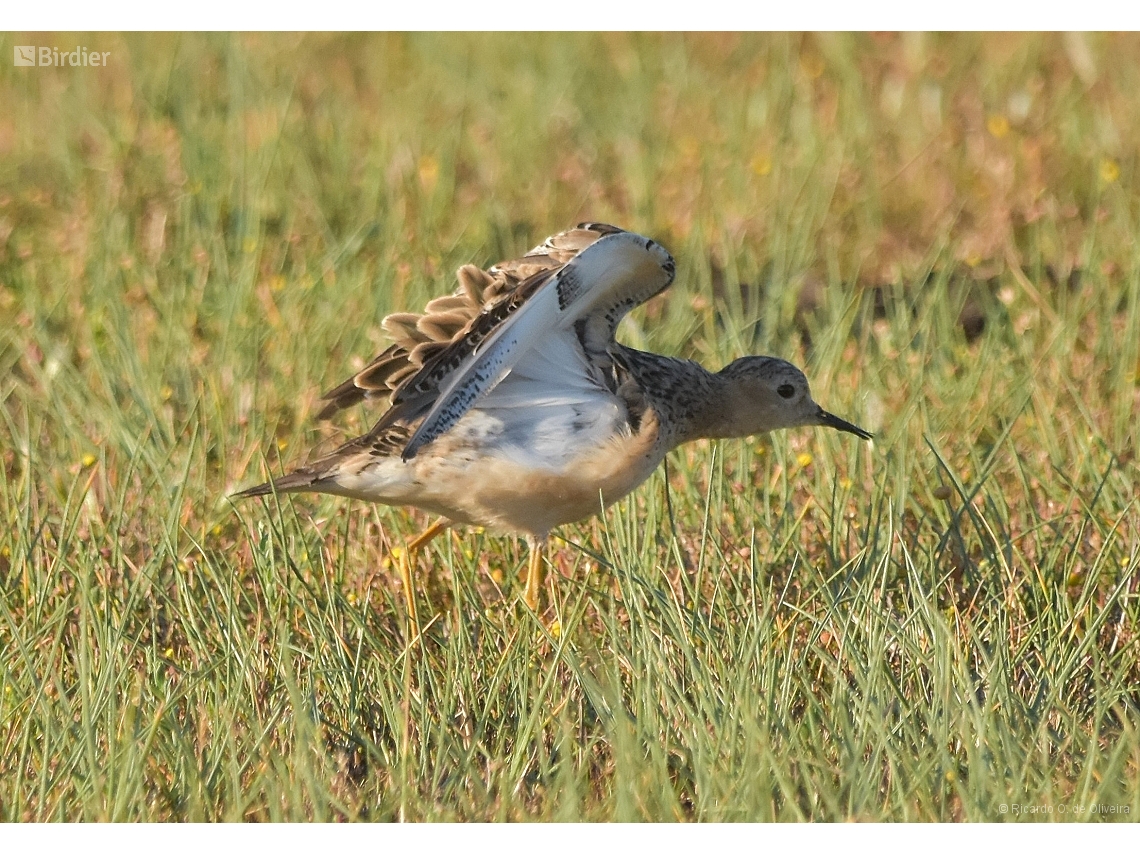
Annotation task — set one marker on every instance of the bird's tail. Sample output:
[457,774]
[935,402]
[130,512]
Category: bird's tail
[295,482]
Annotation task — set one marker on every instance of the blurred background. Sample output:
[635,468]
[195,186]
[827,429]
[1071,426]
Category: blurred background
[238,172]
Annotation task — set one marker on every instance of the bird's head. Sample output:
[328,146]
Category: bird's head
[763,393]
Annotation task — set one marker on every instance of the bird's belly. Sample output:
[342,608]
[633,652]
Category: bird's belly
[511,495]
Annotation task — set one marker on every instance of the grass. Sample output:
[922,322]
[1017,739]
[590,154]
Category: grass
[200,238]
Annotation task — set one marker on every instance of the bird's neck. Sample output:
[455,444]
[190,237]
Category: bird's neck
[689,398]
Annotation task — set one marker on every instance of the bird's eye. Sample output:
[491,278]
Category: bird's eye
[786,391]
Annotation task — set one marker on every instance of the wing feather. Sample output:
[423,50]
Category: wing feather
[557,304]
[411,370]
[597,286]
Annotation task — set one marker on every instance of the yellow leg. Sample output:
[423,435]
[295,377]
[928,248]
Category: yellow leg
[534,573]
[407,562]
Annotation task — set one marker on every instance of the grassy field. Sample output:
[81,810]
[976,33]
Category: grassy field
[199,239]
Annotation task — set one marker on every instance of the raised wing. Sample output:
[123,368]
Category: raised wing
[591,292]
[429,346]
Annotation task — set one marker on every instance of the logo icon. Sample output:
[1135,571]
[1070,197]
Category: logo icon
[25,55]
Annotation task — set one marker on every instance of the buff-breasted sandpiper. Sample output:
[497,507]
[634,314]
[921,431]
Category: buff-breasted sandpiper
[511,406]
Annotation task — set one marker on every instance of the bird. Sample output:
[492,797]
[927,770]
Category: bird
[511,406]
